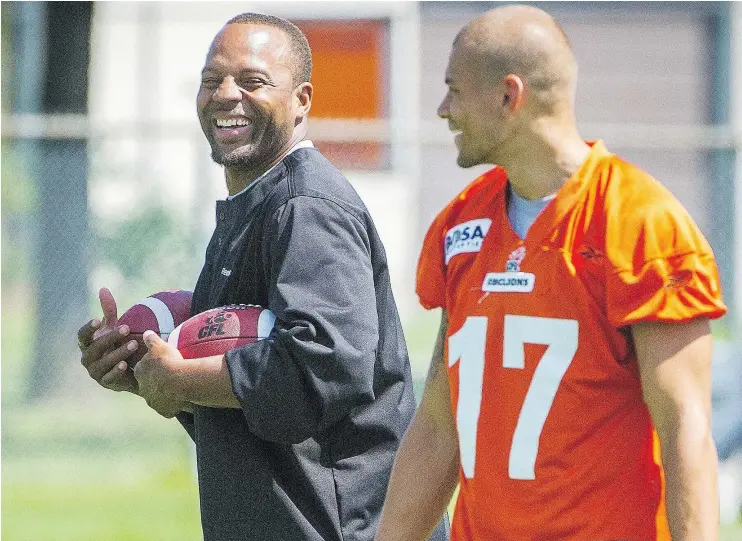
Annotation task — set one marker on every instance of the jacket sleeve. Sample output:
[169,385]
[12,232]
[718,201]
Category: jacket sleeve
[318,362]
[186,420]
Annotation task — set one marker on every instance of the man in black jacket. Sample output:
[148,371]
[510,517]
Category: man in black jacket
[295,434]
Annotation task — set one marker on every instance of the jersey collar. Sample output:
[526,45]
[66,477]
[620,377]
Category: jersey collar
[566,197]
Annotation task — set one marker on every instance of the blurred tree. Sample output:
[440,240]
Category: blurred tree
[158,254]
[17,195]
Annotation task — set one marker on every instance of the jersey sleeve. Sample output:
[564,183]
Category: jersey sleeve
[663,269]
[431,268]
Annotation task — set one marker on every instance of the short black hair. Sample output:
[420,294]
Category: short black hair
[301,54]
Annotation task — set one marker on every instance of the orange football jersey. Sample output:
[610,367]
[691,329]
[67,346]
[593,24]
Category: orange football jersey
[556,442]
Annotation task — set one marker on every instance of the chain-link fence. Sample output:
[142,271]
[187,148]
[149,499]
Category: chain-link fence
[122,194]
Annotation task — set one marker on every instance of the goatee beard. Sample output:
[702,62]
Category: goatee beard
[230,159]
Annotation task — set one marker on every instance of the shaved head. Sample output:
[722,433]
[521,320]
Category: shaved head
[511,84]
[524,41]
[510,101]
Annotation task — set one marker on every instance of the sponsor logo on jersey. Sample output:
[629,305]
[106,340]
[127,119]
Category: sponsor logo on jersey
[514,259]
[466,237]
[590,253]
[678,279]
[512,280]
[226,272]
[509,282]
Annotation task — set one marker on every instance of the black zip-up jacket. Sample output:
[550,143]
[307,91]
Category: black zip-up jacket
[327,397]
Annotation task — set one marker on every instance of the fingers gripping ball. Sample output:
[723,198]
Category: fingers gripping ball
[161,313]
[216,331]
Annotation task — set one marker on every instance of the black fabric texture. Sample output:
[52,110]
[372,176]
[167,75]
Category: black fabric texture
[326,398]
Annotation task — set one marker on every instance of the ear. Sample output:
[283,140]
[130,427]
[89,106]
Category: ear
[514,92]
[303,96]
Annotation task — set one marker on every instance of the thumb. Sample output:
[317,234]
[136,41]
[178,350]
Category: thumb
[153,341]
[108,304]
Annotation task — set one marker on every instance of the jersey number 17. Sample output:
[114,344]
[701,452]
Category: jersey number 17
[468,346]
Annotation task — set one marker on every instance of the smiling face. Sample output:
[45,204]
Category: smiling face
[475,107]
[247,103]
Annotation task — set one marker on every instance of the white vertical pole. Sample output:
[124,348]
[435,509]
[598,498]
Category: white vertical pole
[405,87]
[404,96]
[736,125]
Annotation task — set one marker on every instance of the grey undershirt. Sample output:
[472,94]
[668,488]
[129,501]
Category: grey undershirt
[523,212]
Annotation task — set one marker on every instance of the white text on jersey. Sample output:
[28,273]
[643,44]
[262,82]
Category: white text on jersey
[466,237]
[509,282]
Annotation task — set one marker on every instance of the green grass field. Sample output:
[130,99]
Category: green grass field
[77,473]
[85,481]
[101,466]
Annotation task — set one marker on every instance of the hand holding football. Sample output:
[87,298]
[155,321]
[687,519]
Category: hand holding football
[161,313]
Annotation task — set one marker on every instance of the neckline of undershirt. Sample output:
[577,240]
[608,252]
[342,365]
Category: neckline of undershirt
[522,212]
[528,202]
[301,144]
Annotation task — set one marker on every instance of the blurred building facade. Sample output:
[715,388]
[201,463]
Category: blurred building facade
[656,82]
[659,82]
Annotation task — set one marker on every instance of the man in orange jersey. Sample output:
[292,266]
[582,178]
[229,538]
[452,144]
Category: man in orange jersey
[575,294]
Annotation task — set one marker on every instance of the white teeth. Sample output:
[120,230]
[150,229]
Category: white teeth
[231,122]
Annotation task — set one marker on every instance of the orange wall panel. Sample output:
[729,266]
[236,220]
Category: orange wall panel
[348,60]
